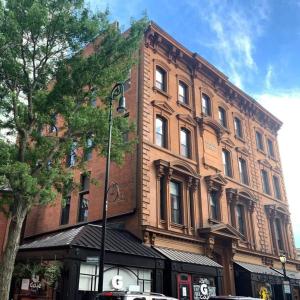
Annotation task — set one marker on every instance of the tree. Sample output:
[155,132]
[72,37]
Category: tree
[46,74]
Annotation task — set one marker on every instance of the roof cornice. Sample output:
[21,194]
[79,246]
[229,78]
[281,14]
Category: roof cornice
[156,37]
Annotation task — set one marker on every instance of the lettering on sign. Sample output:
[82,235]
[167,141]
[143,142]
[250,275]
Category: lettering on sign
[210,146]
[117,282]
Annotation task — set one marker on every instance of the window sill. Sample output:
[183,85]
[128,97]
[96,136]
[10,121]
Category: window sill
[179,226]
[185,105]
[261,151]
[157,90]
[214,221]
[240,138]
[272,157]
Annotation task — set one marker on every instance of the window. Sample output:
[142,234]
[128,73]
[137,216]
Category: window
[240,215]
[53,122]
[65,211]
[176,210]
[278,235]
[182,92]
[214,205]
[238,127]
[259,141]
[161,132]
[265,182]
[192,213]
[277,190]
[227,163]
[162,194]
[71,159]
[185,143]
[271,148]
[222,117]
[89,149]
[83,198]
[160,79]
[243,171]
[206,105]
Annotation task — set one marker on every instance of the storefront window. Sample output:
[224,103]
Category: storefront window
[203,287]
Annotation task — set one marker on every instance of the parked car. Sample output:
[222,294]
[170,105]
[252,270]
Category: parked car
[232,297]
[124,295]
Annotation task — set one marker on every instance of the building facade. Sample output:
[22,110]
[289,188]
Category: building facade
[204,185]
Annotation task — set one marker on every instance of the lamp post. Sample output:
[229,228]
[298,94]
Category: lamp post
[286,283]
[118,90]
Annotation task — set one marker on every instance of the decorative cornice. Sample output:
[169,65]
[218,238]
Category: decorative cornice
[228,142]
[156,37]
[163,105]
[187,119]
[243,150]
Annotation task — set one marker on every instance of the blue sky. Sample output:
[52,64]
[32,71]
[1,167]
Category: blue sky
[256,43]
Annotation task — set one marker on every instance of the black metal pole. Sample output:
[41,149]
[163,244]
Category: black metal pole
[284,271]
[105,201]
[117,90]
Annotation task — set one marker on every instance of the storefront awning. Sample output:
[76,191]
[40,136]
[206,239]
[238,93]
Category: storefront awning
[187,257]
[258,269]
[89,236]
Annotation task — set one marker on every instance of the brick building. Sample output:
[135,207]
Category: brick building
[203,187]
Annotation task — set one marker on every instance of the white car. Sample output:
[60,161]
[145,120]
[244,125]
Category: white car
[124,295]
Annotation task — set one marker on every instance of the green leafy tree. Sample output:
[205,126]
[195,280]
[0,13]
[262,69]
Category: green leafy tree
[46,73]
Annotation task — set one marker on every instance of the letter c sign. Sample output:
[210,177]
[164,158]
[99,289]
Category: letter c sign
[117,282]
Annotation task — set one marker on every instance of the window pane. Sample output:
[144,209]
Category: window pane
[265,181]
[238,127]
[184,143]
[65,212]
[277,189]
[175,191]
[227,163]
[160,79]
[271,148]
[213,201]
[243,171]
[259,141]
[278,235]
[162,198]
[83,208]
[240,219]
[182,92]
[160,129]
[222,117]
[206,105]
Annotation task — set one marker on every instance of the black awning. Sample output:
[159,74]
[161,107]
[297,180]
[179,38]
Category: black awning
[187,257]
[258,269]
[89,236]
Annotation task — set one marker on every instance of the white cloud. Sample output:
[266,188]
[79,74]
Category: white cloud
[236,29]
[286,106]
[269,76]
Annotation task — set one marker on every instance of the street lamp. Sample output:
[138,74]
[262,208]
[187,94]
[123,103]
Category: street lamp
[282,258]
[118,90]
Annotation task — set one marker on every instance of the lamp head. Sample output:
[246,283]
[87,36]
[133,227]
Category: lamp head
[282,258]
[122,105]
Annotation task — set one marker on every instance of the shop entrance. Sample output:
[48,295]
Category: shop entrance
[184,287]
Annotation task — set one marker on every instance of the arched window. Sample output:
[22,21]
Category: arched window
[214,205]
[276,186]
[206,105]
[238,127]
[259,141]
[176,202]
[161,132]
[182,93]
[243,171]
[185,143]
[227,163]
[222,117]
[160,79]
[265,182]
[240,216]
[278,235]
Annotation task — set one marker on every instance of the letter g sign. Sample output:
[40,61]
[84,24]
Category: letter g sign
[204,289]
[117,282]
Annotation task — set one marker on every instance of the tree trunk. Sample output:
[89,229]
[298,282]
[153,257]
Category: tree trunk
[10,253]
